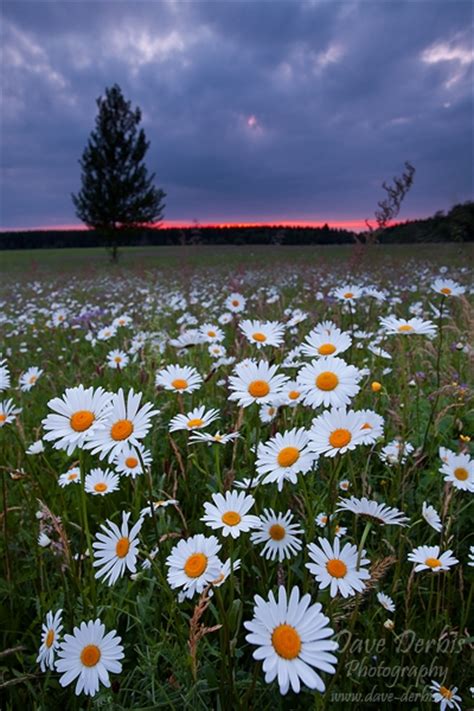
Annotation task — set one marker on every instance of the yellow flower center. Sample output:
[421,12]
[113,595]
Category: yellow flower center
[197,422]
[81,420]
[3,417]
[33,379]
[294,394]
[327,380]
[277,532]
[122,547]
[445,692]
[118,359]
[340,438]
[348,295]
[71,477]
[286,641]
[211,334]
[90,655]
[336,568]
[259,388]
[195,565]
[100,487]
[258,336]
[49,638]
[121,430]
[405,328]
[231,518]
[131,462]
[326,349]
[235,302]
[445,290]
[288,456]
[366,426]
[461,474]
[179,383]
[433,562]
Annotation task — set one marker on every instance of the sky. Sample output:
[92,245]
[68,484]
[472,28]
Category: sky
[257,111]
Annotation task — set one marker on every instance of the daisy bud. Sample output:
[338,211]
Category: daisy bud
[376,387]
[389,625]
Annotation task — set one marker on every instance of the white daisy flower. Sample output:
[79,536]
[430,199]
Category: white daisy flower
[379,352]
[100,482]
[429,558]
[447,287]
[43,540]
[36,448]
[470,561]
[284,456]
[217,438]
[195,420]
[124,425]
[215,350]
[291,394]
[116,549]
[8,412]
[321,520]
[396,452]
[459,470]
[128,462]
[193,564]
[212,333]
[386,601]
[76,415]
[51,631]
[230,513]
[263,333]
[105,333]
[121,321]
[255,382]
[372,427]
[161,504]
[72,476]
[337,567]
[329,381]
[180,379]
[380,513]
[336,431]
[29,378]
[291,636]
[235,303]
[348,293]
[117,359]
[279,535]
[446,698]
[413,326]
[88,655]
[431,517]
[326,339]
[5,378]
[267,413]
[344,485]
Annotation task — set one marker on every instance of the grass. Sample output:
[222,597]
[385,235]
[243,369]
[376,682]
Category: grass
[193,654]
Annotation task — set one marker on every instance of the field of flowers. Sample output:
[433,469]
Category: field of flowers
[237,488]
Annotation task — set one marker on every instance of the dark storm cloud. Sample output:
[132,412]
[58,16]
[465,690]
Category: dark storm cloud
[254,110]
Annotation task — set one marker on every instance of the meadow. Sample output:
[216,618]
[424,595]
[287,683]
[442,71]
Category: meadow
[237,478]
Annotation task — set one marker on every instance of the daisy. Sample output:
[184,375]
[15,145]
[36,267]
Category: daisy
[322,519]
[43,540]
[431,517]
[447,287]
[36,448]
[117,359]
[429,558]
[105,333]
[4,376]
[255,382]
[284,456]
[268,333]
[73,475]
[89,655]
[470,561]
[446,698]
[77,414]
[344,485]
[212,333]
[100,482]
[215,350]
[337,568]
[336,431]
[124,425]
[386,601]
[128,462]
[8,411]
[123,320]
[51,631]
[116,549]
[326,339]
[217,438]
[339,531]
[267,413]
[348,293]
[194,420]
[235,303]
[379,352]
[372,427]
[230,513]
[291,394]
[279,534]
[162,504]
[28,378]
[329,381]
[380,513]
[180,379]
[459,470]
[193,564]
[291,636]
[414,326]
[396,452]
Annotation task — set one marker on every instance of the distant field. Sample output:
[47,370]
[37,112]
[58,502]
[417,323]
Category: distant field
[17,261]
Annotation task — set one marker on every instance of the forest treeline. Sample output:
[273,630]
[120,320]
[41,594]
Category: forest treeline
[455,226]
